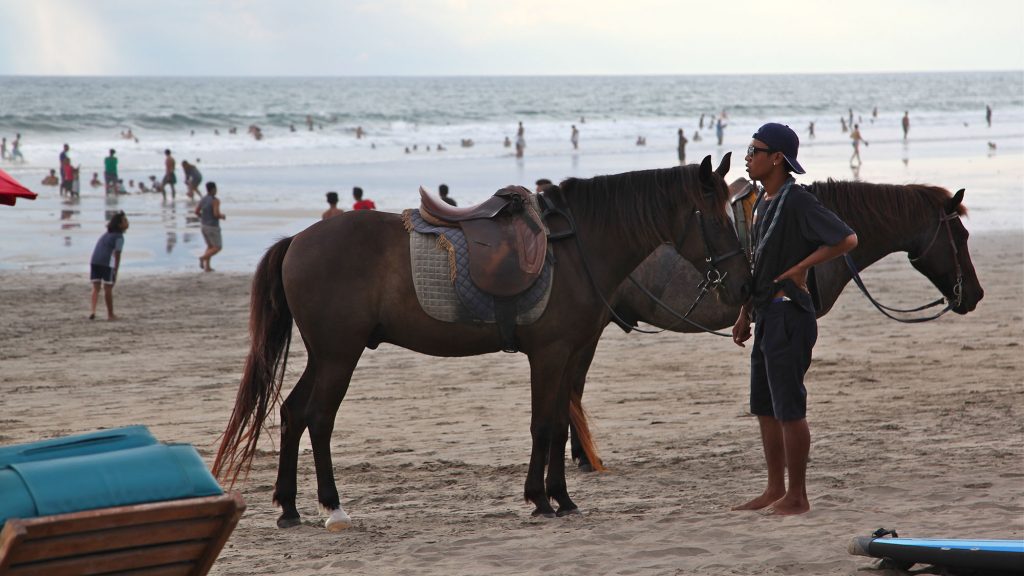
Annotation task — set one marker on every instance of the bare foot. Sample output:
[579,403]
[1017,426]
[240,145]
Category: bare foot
[760,502]
[202,263]
[786,507]
[208,269]
[112,318]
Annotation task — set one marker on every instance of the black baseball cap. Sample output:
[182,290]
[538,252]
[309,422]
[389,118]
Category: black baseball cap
[781,138]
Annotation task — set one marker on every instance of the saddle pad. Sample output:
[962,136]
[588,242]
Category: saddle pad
[440,272]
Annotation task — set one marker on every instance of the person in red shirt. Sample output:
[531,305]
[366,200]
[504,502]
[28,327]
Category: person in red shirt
[361,204]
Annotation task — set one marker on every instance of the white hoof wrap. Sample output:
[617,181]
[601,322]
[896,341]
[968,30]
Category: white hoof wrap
[338,520]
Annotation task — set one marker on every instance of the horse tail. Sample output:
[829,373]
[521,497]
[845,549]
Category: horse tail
[270,330]
[578,416]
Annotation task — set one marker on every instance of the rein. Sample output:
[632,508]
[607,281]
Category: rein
[944,220]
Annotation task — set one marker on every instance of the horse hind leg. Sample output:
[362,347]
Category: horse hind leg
[293,424]
[332,383]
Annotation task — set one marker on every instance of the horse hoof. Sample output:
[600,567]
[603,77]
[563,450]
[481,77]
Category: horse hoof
[586,467]
[288,521]
[338,521]
[562,512]
[544,513]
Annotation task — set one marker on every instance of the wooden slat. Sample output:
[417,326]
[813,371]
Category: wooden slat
[119,538]
[190,533]
[150,556]
[152,512]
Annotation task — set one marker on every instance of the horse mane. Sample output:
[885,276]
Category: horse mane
[866,206]
[640,202]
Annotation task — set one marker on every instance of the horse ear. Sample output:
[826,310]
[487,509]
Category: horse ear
[955,201]
[723,166]
[705,170]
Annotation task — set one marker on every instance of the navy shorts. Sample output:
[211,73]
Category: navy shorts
[101,273]
[784,336]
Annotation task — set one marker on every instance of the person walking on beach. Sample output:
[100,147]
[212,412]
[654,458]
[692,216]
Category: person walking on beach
[575,138]
[719,130]
[443,191]
[360,204]
[170,179]
[210,216]
[792,232]
[193,178]
[110,171]
[333,210]
[906,124]
[857,139]
[105,263]
[681,147]
[810,129]
[520,140]
[988,115]
[16,149]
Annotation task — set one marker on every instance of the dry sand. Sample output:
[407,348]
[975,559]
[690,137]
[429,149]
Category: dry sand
[915,427]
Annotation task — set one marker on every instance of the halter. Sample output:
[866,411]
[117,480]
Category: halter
[712,280]
[958,287]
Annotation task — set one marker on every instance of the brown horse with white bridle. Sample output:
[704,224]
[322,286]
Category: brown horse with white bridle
[923,221]
[347,285]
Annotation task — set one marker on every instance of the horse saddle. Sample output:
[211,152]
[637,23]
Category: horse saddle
[506,238]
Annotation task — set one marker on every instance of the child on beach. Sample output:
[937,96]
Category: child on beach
[106,260]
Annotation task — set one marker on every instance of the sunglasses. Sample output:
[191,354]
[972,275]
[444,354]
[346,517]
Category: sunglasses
[751,150]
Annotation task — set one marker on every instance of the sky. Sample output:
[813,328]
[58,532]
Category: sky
[506,37]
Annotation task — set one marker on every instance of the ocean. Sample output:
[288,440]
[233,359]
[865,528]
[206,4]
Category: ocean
[276,185]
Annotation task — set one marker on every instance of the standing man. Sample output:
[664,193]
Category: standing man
[719,131]
[906,124]
[520,140]
[210,216]
[169,177]
[575,138]
[360,204]
[988,115]
[857,139]
[110,172]
[66,173]
[681,148]
[792,232]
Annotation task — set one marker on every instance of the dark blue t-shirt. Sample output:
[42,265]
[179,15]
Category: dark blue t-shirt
[803,226]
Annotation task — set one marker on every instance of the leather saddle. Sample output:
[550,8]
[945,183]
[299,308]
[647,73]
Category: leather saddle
[506,238]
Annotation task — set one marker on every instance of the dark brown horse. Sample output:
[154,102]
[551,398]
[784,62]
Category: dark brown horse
[346,283]
[922,221]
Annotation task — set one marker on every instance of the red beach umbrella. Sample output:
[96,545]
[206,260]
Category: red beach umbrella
[11,190]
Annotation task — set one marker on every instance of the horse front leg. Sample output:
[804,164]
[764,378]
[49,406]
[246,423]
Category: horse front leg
[293,424]
[548,421]
[331,385]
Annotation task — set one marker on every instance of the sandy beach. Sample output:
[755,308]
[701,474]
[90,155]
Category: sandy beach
[915,427]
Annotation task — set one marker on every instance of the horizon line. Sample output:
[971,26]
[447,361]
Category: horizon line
[538,75]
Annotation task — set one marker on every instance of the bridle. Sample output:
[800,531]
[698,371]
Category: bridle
[958,287]
[713,279]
